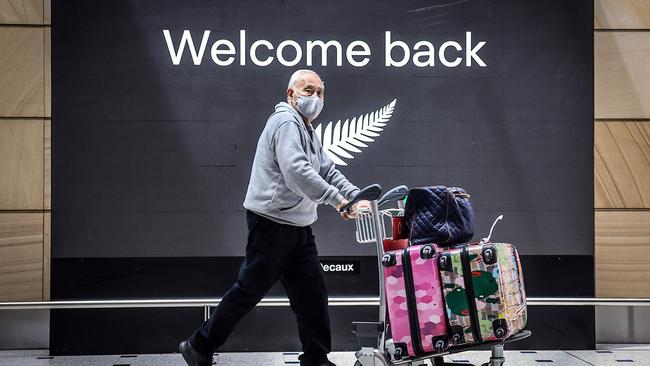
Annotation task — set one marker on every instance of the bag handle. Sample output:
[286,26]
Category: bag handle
[458,193]
[486,240]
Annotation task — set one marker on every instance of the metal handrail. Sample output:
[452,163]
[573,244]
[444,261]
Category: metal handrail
[584,301]
[208,303]
[281,301]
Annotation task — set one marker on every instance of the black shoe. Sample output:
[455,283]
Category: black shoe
[192,356]
[326,363]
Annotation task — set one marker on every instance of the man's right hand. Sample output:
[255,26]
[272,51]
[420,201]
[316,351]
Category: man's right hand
[345,214]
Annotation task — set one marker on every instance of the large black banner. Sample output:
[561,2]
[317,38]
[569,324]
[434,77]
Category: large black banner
[157,108]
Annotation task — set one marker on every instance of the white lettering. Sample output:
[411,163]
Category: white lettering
[357,53]
[443,59]
[242,47]
[324,46]
[389,52]
[280,54]
[337,267]
[430,53]
[471,53]
[350,53]
[186,38]
[256,61]
[216,52]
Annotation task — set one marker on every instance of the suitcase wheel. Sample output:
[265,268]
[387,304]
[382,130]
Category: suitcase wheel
[400,350]
[500,328]
[427,252]
[388,260]
[444,262]
[398,354]
[457,335]
[489,254]
[440,345]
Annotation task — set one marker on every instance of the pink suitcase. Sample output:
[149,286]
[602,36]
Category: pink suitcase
[414,298]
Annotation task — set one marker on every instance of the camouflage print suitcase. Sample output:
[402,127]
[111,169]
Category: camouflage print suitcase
[484,292]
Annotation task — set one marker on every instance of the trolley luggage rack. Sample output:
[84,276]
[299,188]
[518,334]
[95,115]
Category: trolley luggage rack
[371,228]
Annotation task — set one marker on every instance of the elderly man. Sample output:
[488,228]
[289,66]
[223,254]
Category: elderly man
[291,176]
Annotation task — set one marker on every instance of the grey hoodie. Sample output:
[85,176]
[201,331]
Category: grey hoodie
[291,172]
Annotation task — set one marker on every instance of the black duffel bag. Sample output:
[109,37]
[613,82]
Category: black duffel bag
[439,214]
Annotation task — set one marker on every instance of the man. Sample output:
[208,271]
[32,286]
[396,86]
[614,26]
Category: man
[291,175]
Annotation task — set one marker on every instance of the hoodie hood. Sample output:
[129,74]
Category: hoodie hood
[286,107]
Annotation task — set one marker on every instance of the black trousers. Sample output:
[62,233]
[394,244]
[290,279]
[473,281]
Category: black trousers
[275,252]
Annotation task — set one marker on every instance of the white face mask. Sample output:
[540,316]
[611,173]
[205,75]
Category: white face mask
[310,107]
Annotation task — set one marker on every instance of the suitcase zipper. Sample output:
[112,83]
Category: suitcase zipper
[411,303]
[469,289]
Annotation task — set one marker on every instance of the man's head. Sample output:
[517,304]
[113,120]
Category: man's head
[306,93]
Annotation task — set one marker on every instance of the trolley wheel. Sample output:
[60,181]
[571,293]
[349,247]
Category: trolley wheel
[492,363]
[375,360]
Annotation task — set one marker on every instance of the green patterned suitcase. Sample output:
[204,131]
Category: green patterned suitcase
[489,303]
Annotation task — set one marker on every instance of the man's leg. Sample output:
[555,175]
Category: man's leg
[305,287]
[268,252]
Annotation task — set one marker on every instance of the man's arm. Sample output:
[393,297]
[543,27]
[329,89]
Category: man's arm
[334,177]
[299,174]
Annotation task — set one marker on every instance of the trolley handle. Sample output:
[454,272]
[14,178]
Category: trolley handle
[370,193]
[396,194]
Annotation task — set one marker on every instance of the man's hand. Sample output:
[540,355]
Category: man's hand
[352,212]
[345,214]
[362,205]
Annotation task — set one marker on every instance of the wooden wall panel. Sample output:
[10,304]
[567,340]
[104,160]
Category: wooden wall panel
[21,164]
[47,165]
[622,164]
[622,253]
[21,12]
[47,11]
[47,254]
[622,14]
[622,71]
[22,86]
[48,72]
[21,256]
[25,163]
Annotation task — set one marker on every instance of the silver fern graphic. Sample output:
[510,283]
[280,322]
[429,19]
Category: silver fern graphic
[341,139]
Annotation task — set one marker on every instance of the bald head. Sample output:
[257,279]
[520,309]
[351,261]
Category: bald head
[299,75]
[305,83]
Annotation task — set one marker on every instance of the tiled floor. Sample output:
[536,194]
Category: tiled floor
[628,356]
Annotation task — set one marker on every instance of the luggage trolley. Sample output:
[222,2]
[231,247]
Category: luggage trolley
[375,348]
